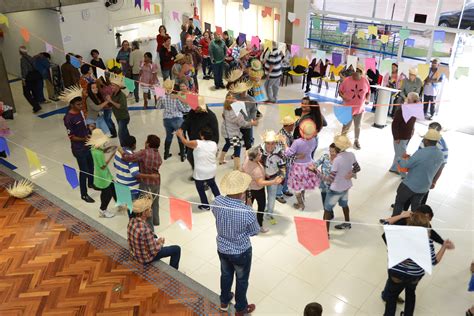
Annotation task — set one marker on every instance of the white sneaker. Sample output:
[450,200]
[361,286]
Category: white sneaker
[264,230]
[106,214]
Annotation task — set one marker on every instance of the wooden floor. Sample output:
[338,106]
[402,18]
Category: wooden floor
[47,270]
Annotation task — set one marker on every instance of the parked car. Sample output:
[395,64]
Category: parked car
[451,18]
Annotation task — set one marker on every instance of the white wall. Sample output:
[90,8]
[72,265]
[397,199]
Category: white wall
[302,9]
[185,7]
[44,23]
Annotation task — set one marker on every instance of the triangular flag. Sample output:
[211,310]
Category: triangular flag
[461,71]
[242,38]
[384,39]
[286,110]
[75,61]
[404,34]
[197,23]
[295,49]
[343,26]
[180,210]
[207,27]
[317,23]
[408,242]
[412,110]
[146,5]
[255,42]
[439,36]
[321,55]
[192,100]
[267,11]
[470,288]
[336,70]
[33,159]
[175,16]
[157,8]
[282,47]
[372,30]
[100,72]
[219,30]
[246,4]
[267,45]
[403,68]
[386,66]
[370,63]
[360,34]
[124,195]
[296,22]
[138,3]
[48,47]
[159,92]
[423,71]
[25,34]
[4,20]
[4,146]
[343,113]
[239,106]
[291,16]
[277,17]
[352,60]
[71,176]
[129,84]
[410,42]
[312,234]
[336,59]
[231,33]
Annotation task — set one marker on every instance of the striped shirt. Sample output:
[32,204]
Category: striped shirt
[172,107]
[235,223]
[126,172]
[441,146]
[409,267]
[274,59]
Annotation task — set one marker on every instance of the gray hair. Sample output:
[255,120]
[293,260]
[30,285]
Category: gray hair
[135,45]
[253,152]
[413,97]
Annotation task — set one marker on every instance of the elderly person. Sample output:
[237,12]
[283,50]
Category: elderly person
[144,246]
[235,224]
[135,61]
[193,54]
[31,79]
[412,84]
[286,137]
[431,88]
[217,52]
[180,70]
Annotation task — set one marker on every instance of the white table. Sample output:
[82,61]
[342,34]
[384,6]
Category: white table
[384,96]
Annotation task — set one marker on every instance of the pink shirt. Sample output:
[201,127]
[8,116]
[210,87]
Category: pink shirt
[355,91]
[148,74]
[256,171]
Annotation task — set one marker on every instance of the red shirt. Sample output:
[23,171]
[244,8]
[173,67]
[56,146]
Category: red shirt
[159,42]
[204,47]
[355,92]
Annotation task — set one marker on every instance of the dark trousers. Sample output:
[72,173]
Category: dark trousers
[154,219]
[206,66]
[174,252]
[404,194]
[31,91]
[110,123]
[259,195]
[240,266]
[430,104]
[227,147]
[202,192]
[218,70]
[106,195]
[423,201]
[137,90]
[396,284]
[86,168]
[195,79]
[247,136]
[123,130]
[323,196]
[190,157]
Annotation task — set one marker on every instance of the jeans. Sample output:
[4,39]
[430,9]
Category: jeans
[30,91]
[136,92]
[86,168]
[227,147]
[423,202]
[202,192]
[272,85]
[166,74]
[123,130]
[206,65]
[334,197]
[154,219]
[259,195]
[171,126]
[396,283]
[106,195]
[404,194]
[357,118]
[323,196]
[283,187]
[240,265]
[110,123]
[170,251]
[218,70]
[271,197]
[247,136]
[101,124]
[41,98]
[430,104]
[400,149]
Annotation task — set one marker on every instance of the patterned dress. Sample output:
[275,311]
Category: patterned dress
[300,177]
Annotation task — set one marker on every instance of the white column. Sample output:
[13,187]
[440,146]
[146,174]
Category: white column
[430,48]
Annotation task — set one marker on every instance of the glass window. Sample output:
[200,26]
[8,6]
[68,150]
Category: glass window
[451,14]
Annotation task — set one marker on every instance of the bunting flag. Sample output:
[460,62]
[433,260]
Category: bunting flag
[286,110]
[372,30]
[48,47]
[317,23]
[197,23]
[384,39]
[352,61]
[267,44]
[157,8]
[343,26]
[404,34]
[124,195]
[412,110]
[231,33]
[242,38]
[277,17]
[4,146]
[343,113]
[138,3]
[470,288]
[439,36]
[370,63]
[336,70]
[255,42]
[410,42]
[25,34]
[282,47]
[192,100]
[100,72]
[33,159]
[336,59]
[461,71]
[291,17]
[320,55]
[239,106]
[159,92]
[4,20]
[246,4]
[267,11]
[386,66]
[423,71]
[71,176]
[75,61]
[312,234]
[408,242]
[207,27]
[296,22]
[403,68]
[219,30]
[129,84]
[146,5]
[294,49]
[175,16]
[180,210]
[360,34]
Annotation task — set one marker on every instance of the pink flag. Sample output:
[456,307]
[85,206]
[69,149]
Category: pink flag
[49,47]
[146,5]
[370,64]
[175,16]
[192,100]
[180,210]
[255,42]
[412,110]
[25,34]
[294,49]
[218,30]
[312,234]
[296,22]
[159,91]
[277,17]
[267,11]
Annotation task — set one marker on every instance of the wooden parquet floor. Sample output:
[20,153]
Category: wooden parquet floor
[47,270]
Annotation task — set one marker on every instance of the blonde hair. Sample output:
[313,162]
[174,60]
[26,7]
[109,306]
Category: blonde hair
[227,103]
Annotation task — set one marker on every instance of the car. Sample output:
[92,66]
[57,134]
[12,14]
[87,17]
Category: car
[451,18]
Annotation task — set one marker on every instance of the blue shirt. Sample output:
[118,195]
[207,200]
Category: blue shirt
[423,166]
[441,146]
[235,223]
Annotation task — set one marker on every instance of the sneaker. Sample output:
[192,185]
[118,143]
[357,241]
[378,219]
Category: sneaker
[343,226]
[250,308]
[264,230]
[204,207]
[394,171]
[225,307]
[357,145]
[287,193]
[106,214]
[87,198]
[273,221]
[281,199]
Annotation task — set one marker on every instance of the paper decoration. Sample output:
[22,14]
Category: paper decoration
[384,39]
[336,59]
[146,5]
[386,66]
[372,30]
[48,47]
[343,26]
[282,47]
[336,70]
[317,23]
[295,49]
[159,92]
[461,71]
[408,242]
[352,60]
[286,110]
[175,16]
[157,8]
[403,68]
[267,44]
[312,234]
[423,71]
[412,110]
[25,34]
[4,20]
[124,195]
[343,113]
[75,61]
[192,100]
[4,146]
[246,4]
[277,17]
[470,288]
[291,17]
[296,22]
[138,3]
[33,159]
[231,33]
[438,46]
[242,38]
[410,42]
[404,34]
[180,210]
[267,11]
[255,42]
[207,27]
[321,55]
[100,72]
[129,84]
[439,36]
[360,34]
[71,176]
[197,23]
[239,106]
[370,63]
[219,30]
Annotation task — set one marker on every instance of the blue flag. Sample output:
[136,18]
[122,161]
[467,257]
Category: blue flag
[75,62]
[71,176]
[343,113]
[4,146]
[343,26]
[246,4]
[138,3]
[124,196]
[471,284]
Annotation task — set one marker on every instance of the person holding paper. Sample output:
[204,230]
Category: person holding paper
[431,88]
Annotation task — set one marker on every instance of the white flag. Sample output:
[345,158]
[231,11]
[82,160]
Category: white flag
[100,72]
[239,106]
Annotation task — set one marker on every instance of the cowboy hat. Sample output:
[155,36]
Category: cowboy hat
[70,94]
[308,129]
[97,139]
[342,142]
[168,85]
[179,57]
[413,71]
[432,134]
[234,75]
[235,182]
[142,204]
[240,87]
[256,64]
[117,80]
[243,52]
[269,136]
[288,120]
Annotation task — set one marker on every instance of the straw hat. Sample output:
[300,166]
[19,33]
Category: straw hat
[360,67]
[243,52]
[269,136]
[235,182]
[142,204]
[342,142]
[20,189]
[240,87]
[308,129]
[70,94]
[288,120]
[97,139]
[234,75]
[202,103]
[168,85]
[432,134]
[256,64]
[179,57]
[413,71]
[117,80]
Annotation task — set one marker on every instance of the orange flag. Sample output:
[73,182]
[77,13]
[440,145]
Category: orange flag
[25,34]
[296,22]
[312,234]
[180,210]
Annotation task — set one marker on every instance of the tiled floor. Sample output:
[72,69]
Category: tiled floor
[347,278]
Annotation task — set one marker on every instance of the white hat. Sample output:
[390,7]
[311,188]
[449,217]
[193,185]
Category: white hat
[240,87]
[97,139]
[269,136]
[234,75]
[235,182]
[21,189]
[432,134]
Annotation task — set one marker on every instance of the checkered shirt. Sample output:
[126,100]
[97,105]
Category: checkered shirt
[172,107]
[141,240]
[149,160]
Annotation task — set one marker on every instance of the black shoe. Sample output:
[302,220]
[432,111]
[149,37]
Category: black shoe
[113,136]
[307,90]
[204,207]
[288,193]
[87,198]
[167,156]
[36,110]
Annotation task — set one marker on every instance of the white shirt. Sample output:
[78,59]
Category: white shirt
[205,164]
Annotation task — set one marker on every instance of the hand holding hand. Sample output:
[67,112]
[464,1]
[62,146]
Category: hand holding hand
[179,133]
[253,122]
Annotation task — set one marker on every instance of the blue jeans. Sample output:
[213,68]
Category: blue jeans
[110,123]
[101,124]
[170,251]
[227,147]
[240,265]
[218,70]
[283,187]
[399,149]
[166,74]
[202,192]
[397,283]
[271,197]
[171,126]
[334,197]
[86,168]
[123,130]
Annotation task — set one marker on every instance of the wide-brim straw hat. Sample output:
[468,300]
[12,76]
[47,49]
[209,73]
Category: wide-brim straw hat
[117,80]
[308,129]
[243,52]
[432,134]
[360,67]
[342,142]
[179,57]
[97,139]
[288,120]
[234,75]
[256,64]
[202,103]
[70,94]
[235,182]
[168,85]
[269,136]
[142,204]
[240,87]
[413,71]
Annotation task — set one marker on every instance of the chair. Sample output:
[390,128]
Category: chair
[114,66]
[298,61]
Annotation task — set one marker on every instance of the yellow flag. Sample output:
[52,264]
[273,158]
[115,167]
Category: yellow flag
[4,20]
[336,70]
[384,39]
[372,30]
[360,34]
[157,8]
[267,44]
[423,71]
[286,110]
[33,159]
